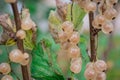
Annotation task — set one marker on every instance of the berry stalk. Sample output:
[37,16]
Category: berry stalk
[20,46]
[92,38]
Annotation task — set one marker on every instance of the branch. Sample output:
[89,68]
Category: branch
[92,38]
[20,46]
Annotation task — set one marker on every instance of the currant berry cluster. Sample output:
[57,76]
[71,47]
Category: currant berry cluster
[105,10]
[5,69]
[69,40]
[96,70]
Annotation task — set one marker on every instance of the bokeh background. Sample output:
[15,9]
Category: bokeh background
[108,45]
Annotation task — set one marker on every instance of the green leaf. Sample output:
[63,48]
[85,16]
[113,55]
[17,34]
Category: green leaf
[77,15]
[44,67]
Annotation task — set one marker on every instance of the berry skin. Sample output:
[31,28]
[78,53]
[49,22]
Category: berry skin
[10,1]
[75,38]
[21,34]
[26,59]
[5,68]
[90,74]
[16,56]
[107,28]
[90,6]
[7,77]
[110,14]
[100,66]
[76,60]
[101,76]
[89,65]
[75,67]
[74,52]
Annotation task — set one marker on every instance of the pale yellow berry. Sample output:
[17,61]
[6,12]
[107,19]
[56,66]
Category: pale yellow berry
[5,68]
[21,34]
[16,56]
[7,77]
[26,59]
[74,52]
[101,76]
[100,66]
[76,60]
[10,1]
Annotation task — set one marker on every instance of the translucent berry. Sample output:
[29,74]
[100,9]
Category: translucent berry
[98,1]
[101,76]
[90,74]
[107,28]
[100,66]
[99,21]
[7,77]
[75,38]
[74,52]
[90,6]
[110,3]
[89,65]
[76,60]
[62,36]
[21,34]
[67,27]
[26,59]
[16,56]
[110,14]
[10,1]
[82,3]
[75,67]
[5,68]
[26,24]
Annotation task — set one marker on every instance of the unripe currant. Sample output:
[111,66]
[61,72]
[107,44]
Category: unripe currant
[90,73]
[110,14]
[7,77]
[21,34]
[75,67]
[101,76]
[16,56]
[5,68]
[75,38]
[74,52]
[90,6]
[107,27]
[10,1]
[100,66]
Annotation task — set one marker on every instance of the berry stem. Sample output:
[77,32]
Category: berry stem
[92,38]
[20,46]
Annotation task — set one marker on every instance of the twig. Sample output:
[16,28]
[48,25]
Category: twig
[92,38]
[20,46]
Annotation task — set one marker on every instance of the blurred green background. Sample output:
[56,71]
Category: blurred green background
[108,45]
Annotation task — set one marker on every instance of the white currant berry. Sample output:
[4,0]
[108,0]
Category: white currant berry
[67,27]
[76,60]
[26,59]
[100,66]
[62,36]
[74,51]
[16,56]
[90,6]
[110,14]
[5,68]
[26,24]
[101,76]
[65,45]
[10,1]
[107,27]
[21,34]
[75,38]
[7,77]
[90,74]
[99,21]
[82,3]
[98,1]
[89,65]
[110,3]
[75,67]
